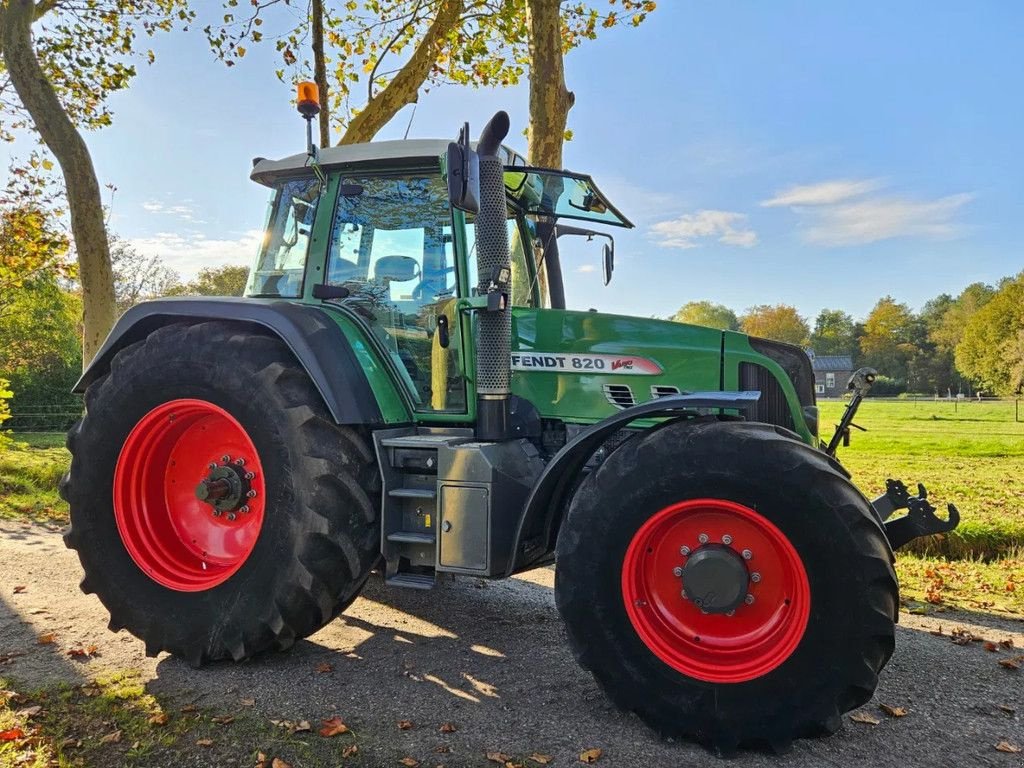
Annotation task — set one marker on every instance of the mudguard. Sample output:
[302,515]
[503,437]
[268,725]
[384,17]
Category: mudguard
[311,334]
[548,495]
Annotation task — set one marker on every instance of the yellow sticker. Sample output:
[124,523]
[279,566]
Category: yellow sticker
[426,520]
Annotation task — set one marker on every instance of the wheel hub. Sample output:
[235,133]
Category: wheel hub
[226,488]
[715,578]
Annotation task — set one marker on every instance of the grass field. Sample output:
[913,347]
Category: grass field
[968,453]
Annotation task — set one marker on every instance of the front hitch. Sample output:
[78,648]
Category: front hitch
[920,519]
[860,384]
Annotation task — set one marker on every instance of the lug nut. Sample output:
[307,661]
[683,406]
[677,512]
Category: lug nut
[240,462]
[730,613]
[231,516]
[749,600]
[677,571]
[217,513]
[703,538]
[225,458]
[244,509]
[684,551]
[251,494]
[727,539]
[755,577]
[249,475]
[213,466]
[747,554]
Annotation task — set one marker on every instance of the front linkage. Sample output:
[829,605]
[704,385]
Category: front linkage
[920,519]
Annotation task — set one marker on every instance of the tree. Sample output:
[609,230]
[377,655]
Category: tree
[890,340]
[708,314]
[780,322]
[946,328]
[62,78]
[381,54]
[833,333]
[139,278]
[991,350]
[226,280]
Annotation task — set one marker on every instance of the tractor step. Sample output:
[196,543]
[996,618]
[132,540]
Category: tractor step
[413,493]
[411,580]
[412,537]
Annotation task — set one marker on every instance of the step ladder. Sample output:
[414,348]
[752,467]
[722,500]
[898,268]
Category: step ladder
[408,459]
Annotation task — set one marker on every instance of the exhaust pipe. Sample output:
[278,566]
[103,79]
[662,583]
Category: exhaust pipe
[494,337]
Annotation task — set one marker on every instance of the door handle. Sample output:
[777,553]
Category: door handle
[443,338]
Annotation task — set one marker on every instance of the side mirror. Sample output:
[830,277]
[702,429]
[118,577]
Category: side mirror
[463,167]
[608,261]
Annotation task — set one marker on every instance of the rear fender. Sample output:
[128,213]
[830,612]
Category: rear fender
[551,491]
[316,340]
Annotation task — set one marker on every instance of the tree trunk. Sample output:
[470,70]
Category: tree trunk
[320,72]
[550,100]
[83,190]
[405,86]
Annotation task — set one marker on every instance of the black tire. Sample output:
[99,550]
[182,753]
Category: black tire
[319,537]
[853,589]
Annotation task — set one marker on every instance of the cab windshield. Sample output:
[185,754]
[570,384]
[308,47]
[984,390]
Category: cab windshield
[560,194]
[281,260]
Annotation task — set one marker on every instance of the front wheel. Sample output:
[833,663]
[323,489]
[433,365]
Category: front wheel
[217,510]
[726,583]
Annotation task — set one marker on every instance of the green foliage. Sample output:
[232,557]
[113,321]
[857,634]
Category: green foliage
[707,314]
[225,280]
[137,277]
[891,333]
[780,322]
[5,410]
[991,349]
[833,333]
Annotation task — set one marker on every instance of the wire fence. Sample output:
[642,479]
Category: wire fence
[42,419]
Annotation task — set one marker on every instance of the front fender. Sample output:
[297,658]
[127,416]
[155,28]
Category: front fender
[317,342]
[549,493]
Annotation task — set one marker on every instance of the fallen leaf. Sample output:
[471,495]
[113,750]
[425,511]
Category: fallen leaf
[19,589]
[447,728]
[989,646]
[1009,663]
[46,639]
[1006,708]
[590,755]
[261,760]
[223,719]
[29,711]
[539,758]
[961,636]
[84,653]
[204,743]
[160,718]
[350,750]
[90,690]
[12,734]
[1007,643]
[302,726]
[1005,746]
[442,749]
[111,738]
[409,762]
[277,762]
[498,757]
[324,667]
[864,717]
[248,702]
[893,711]
[189,708]
[333,727]
[405,725]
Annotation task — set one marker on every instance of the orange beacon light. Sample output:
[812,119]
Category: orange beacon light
[309,100]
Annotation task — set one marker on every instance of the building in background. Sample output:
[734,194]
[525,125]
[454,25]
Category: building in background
[831,373]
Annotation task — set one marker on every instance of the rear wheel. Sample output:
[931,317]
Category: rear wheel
[217,510]
[725,582]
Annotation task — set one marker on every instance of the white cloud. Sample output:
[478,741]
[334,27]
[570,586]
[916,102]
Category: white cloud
[586,268]
[181,210]
[883,218]
[189,253]
[726,227]
[823,193]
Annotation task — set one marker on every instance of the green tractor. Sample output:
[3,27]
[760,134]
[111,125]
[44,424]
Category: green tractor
[403,390]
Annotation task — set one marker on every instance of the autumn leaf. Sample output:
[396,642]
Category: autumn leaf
[448,728]
[590,755]
[188,708]
[499,757]
[405,725]
[409,762]
[333,727]
[29,711]
[893,711]
[204,743]
[248,702]
[111,738]
[1005,746]
[442,749]
[864,717]
[12,734]
[350,750]
[277,762]
[989,646]
[1010,663]
[539,758]
[19,589]
[324,667]
[46,639]
[88,651]
[261,760]
[160,718]
[1007,708]
[223,719]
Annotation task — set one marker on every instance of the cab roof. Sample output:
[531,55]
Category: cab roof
[407,152]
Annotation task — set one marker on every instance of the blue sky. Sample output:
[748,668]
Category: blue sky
[817,154]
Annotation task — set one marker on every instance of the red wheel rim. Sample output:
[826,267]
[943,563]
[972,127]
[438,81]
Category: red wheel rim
[178,540]
[719,648]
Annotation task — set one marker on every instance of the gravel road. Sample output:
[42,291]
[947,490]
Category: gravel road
[491,657]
